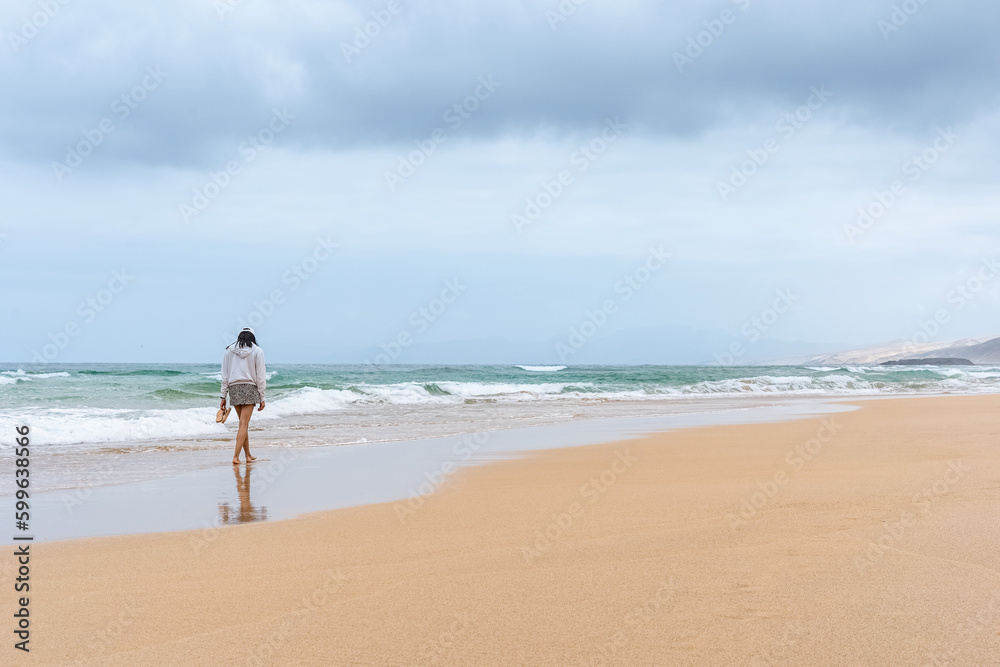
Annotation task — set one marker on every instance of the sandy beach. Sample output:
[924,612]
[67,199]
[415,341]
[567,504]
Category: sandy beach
[464,333]
[868,537]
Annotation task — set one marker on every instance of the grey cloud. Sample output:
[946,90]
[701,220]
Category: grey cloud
[226,76]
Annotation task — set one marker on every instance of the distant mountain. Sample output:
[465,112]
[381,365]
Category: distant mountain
[982,352]
[929,361]
[976,350]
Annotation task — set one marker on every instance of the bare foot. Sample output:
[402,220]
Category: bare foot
[236,462]
[251,458]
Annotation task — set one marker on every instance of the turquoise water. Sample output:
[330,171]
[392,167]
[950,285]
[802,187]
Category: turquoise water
[118,403]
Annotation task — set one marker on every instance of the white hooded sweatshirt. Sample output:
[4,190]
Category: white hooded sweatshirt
[244,365]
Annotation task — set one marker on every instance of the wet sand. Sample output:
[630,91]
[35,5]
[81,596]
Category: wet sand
[197,488]
[868,537]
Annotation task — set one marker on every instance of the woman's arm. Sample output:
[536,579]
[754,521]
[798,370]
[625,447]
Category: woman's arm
[225,376]
[260,373]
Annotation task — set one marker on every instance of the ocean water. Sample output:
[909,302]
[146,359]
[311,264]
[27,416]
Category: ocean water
[137,408]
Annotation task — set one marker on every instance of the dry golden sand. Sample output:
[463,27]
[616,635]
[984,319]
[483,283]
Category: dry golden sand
[652,572]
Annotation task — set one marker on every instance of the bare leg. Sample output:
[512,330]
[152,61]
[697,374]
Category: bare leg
[248,411]
[242,439]
[246,440]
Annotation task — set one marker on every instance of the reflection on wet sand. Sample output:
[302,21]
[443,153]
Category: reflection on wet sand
[247,512]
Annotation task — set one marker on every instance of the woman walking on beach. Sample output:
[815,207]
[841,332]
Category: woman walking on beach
[244,378]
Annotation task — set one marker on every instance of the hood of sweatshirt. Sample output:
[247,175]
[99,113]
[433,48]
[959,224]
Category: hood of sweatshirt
[242,352]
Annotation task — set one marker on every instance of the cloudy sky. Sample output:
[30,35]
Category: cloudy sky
[468,176]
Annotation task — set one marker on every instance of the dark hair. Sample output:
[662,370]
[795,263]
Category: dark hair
[246,339]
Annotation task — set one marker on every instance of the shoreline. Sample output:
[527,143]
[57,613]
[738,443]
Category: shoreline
[879,546]
[287,481]
[98,464]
